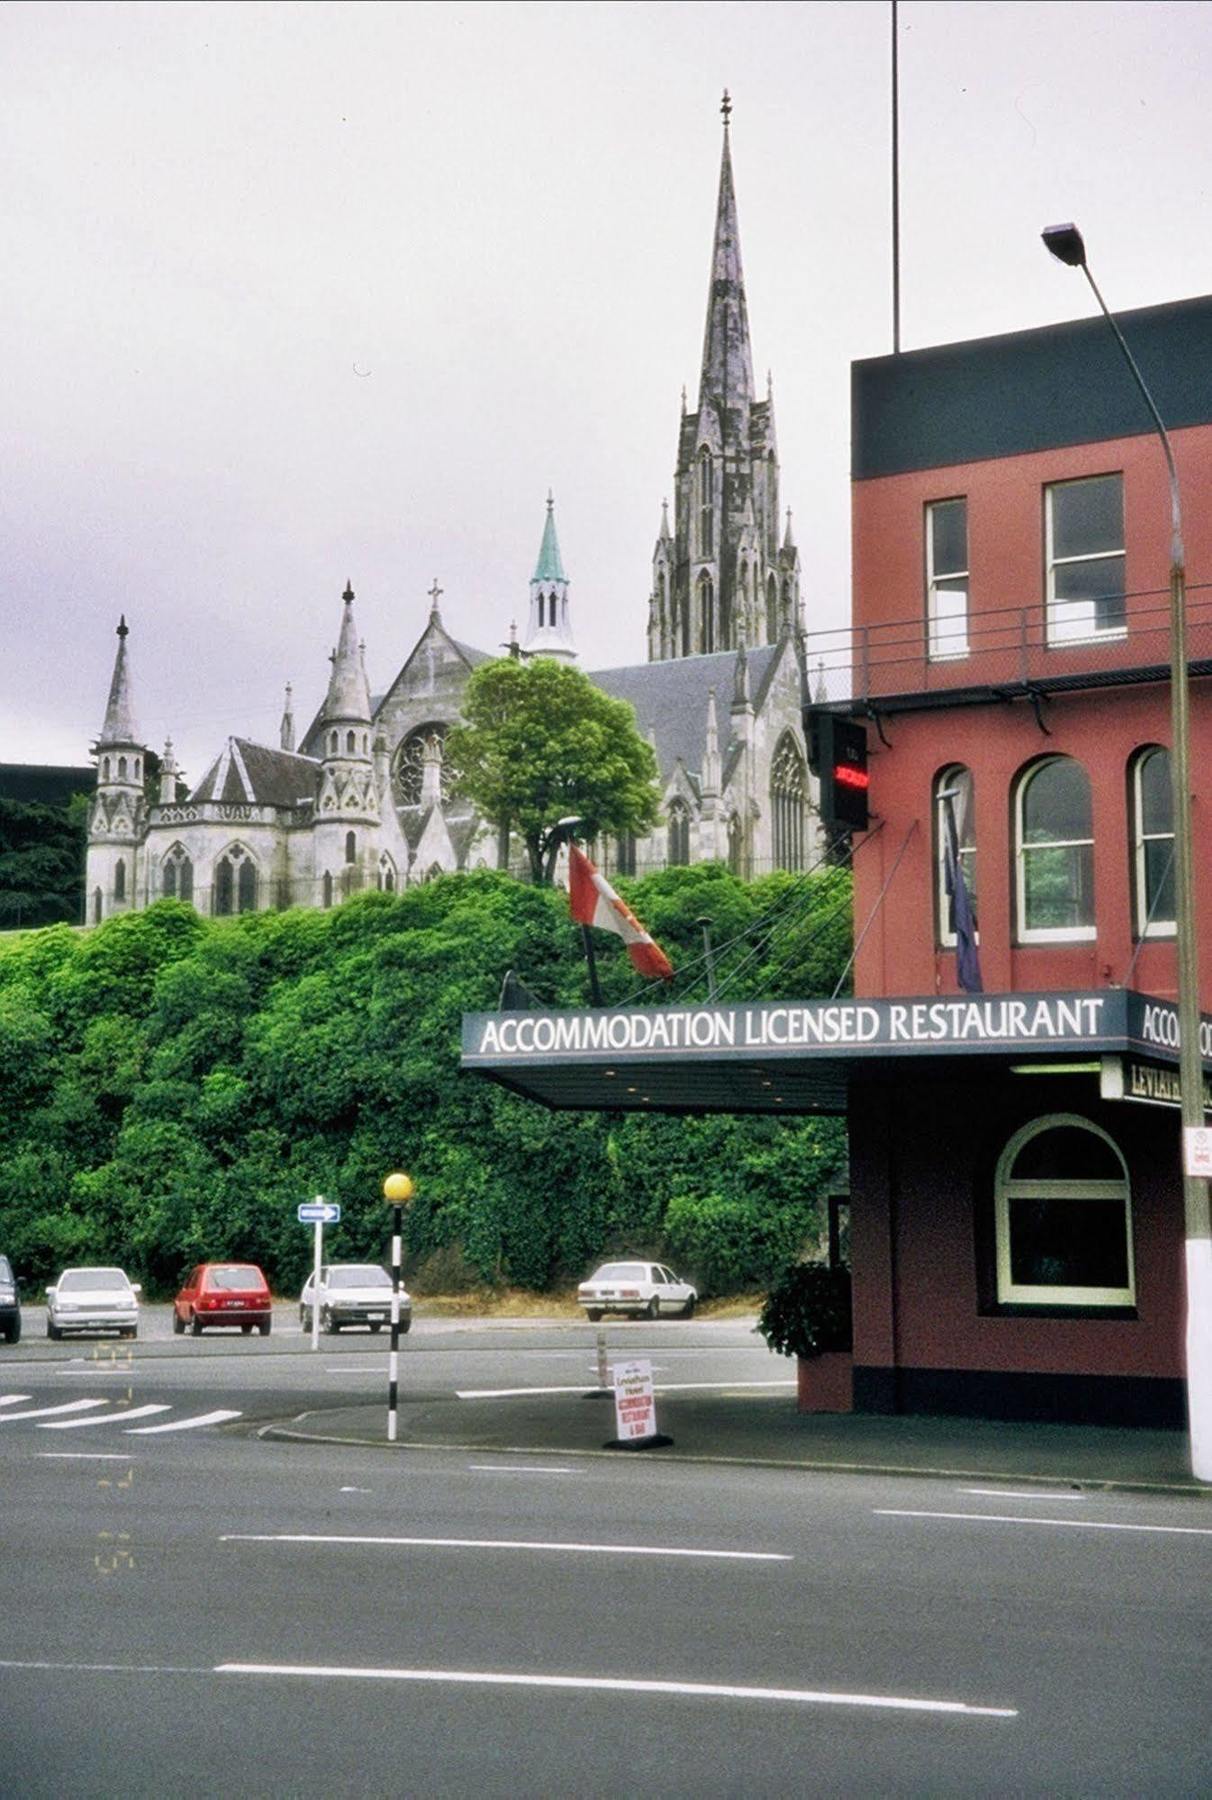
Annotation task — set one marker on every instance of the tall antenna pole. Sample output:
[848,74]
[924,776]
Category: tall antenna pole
[896,197]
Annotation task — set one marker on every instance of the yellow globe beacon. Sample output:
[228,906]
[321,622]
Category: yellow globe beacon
[398,1189]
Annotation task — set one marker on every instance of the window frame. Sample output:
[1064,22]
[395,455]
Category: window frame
[1048,934]
[1005,1189]
[944,928]
[1097,635]
[1143,925]
[957,644]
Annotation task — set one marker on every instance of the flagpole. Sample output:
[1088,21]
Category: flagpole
[595,990]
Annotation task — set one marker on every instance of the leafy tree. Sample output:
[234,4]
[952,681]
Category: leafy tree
[541,743]
[41,862]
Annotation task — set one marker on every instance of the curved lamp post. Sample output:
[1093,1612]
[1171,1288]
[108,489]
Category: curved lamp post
[1066,244]
[398,1190]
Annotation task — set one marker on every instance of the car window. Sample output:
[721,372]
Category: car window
[6,1269]
[621,1272]
[235,1281]
[359,1275]
[107,1281]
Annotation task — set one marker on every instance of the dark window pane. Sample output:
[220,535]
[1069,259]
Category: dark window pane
[1088,516]
[1159,880]
[1067,1153]
[949,537]
[1059,885]
[1156,798]
[1056,805]
[1068,1243]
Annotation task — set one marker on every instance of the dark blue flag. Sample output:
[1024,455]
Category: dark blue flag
[967,958]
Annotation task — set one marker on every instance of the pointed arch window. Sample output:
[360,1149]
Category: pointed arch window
[705,498]
[235,886]
[679,835]
[736,845]
[788,798]
[772,610]
[954,791]
[410,764]
[387,874]
[1063,1217]
[326,889]
[1153,843]
[120,879]
[726,607]
[334,742]
[98,903]
[121,768]
[706,614]
[687,627]
[1054,853]
[351,846]
[624,853]
[105,768]
[177,874]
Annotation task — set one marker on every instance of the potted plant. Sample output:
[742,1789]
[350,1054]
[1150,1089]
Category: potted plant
[807,1315]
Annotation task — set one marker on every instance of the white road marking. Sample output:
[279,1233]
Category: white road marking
[432,1543]
[118,1417]
[357,1490]
[13,1399]
[210,1418]
[44,1412]
[574,1683]
[661,1387]
[83,1455]
[517,1469]
[616,1685]
[1010,1494]
[895,1512]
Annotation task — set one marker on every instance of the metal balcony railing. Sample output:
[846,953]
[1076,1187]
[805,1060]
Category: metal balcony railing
[1055,644]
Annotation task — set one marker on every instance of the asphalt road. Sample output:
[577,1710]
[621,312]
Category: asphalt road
[202,1611]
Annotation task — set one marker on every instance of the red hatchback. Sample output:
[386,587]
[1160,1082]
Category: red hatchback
[223,1294]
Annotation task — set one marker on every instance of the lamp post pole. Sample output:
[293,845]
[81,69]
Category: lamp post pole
[1065,243]
[398,1189]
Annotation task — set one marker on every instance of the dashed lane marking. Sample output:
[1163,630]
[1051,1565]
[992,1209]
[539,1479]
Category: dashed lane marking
[14,1399]
[119,1417]
[896,1512]
[430,1543]
[44,1412]
[218,1417]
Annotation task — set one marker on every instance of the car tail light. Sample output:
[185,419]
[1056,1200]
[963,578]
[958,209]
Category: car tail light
[629,1293]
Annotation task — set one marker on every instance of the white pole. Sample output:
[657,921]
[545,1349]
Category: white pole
[393,1357]
[315,1285]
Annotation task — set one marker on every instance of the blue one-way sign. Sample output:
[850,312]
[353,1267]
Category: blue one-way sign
[319,1212]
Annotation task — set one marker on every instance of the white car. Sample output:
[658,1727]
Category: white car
[352,1294]
[93,1300]
[640,1289]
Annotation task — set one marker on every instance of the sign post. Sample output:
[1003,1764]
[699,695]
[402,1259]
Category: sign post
[318,1212]
[398,1190]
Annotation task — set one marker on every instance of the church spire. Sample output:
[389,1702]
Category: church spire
[119,726]
[348,692]
[549,627]
[726,379]
[286,731]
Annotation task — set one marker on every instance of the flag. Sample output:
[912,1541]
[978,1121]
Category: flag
[967,958]
[594,902]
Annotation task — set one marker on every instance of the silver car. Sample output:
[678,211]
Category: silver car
[352,1294]
[93,1300]
[639,1289]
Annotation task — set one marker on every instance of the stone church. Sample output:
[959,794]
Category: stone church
[364,800]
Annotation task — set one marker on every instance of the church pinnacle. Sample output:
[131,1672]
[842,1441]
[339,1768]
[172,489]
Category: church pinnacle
[726,377]
[348,691]
[549,627]
[119,726]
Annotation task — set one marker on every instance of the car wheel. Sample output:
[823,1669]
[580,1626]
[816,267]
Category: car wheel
[195,1326]
[688,1309]
[405,1326]
[654,1308]
[264,1328]
[328,1324]
[178,1324]
[593,1314]
[53,1331]
[247,1330]
[376,1325]
[131,1331]
[12,1331]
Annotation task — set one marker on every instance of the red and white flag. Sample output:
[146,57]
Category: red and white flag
[594,902]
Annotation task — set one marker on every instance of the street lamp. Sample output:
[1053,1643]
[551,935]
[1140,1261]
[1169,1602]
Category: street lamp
[398,1190]
[1066,244]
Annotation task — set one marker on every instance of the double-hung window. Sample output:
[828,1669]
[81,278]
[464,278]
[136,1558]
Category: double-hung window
[1084,547]
[1153,843]
[1054,853]
[947,578]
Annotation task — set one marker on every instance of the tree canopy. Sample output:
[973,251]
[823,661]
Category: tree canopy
[541,743]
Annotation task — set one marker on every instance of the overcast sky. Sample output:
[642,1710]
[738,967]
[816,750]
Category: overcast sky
[291,294]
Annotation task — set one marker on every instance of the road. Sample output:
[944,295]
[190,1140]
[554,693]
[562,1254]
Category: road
[205,1610]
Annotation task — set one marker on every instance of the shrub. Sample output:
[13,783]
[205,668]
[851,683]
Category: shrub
[807,1311]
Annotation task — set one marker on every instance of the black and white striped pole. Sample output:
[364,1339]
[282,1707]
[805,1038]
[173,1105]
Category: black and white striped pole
[398,1190]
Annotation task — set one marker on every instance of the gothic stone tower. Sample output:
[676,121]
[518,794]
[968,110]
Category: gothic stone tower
[115,826]
[723,578]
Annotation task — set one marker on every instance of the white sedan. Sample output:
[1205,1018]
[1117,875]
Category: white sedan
[93,1300]
[352,1294]
[639,1289]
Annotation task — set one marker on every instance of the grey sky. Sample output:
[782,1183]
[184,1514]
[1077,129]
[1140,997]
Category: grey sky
[291,294]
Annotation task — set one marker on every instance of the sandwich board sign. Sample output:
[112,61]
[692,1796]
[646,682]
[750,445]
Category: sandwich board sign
[634,1402]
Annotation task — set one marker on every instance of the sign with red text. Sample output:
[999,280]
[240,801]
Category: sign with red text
[634,1402]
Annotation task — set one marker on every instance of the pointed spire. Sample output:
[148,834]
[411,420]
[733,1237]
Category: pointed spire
[711,749]
[119,726]
[727,373]
[549,567]
[740,682]
[788,540]
[348,692]
[287,731]
[820,698]
[168,775]
[664,532]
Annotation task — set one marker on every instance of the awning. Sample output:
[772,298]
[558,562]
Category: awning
[778,1056]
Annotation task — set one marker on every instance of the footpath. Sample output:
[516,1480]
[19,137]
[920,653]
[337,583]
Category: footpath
[765,1430]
